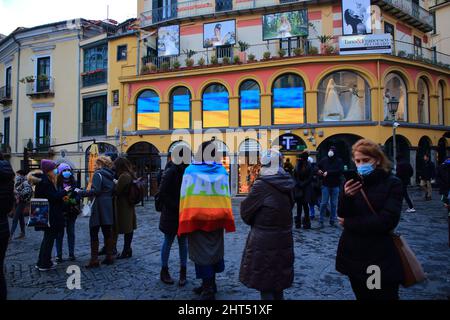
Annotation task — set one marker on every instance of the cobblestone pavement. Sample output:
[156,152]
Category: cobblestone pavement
[138,278]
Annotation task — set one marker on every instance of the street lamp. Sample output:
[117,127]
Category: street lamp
[393,107]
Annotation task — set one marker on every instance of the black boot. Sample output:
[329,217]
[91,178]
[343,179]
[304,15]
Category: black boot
[208,293]
[165,276]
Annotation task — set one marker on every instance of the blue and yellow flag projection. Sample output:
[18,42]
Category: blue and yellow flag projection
[181,111]
[288,105]
[215,109]
[148,114]
[250,107]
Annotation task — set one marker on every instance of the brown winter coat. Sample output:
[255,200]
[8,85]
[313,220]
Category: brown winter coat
[268,258]
[125,213]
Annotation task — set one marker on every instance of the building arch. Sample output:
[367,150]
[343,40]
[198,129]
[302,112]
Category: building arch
[175,85]
[403,146]
[367,75]
[343,143]
[207,83]
[410,82]
[276,75]
[242,79]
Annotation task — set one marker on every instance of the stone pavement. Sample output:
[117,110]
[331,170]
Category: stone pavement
[138,278]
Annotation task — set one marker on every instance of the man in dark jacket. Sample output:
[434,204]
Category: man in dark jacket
[443,180]
[426,175]
[330,168]
[6,205]
[404,173]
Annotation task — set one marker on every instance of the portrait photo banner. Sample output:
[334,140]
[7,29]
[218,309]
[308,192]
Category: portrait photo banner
[169,41]
[356,17]
[285,25]
[221,33]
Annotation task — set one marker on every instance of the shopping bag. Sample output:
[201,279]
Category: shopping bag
[39,213]
[87,208]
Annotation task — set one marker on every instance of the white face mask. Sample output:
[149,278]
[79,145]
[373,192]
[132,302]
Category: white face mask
[330,154]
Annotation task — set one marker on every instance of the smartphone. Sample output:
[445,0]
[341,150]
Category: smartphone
[352,174]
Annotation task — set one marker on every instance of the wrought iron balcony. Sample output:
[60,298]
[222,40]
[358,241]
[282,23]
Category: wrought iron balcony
[94,78]
[5,95]
[43,86]
[39,145]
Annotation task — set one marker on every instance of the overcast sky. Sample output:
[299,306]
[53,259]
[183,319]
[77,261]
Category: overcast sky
[30,13]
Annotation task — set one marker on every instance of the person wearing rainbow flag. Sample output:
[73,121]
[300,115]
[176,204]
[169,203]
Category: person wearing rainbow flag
[205,212]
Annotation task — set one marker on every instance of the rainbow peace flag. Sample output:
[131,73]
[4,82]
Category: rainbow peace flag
[205,202]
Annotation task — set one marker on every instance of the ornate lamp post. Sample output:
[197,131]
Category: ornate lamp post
[393,108]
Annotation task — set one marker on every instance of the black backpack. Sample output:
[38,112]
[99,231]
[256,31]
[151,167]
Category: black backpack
[136,191]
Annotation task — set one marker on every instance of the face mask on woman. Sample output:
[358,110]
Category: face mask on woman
[366,169]
[66,174]
[55,171]
[331,154]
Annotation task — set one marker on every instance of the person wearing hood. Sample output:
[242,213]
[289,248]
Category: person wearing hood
[303,192]
[6,205]
[45,181]
[330,169]
[102,213]
[268,259]
[205,212]
[367,236]
[71,210]
[24,192]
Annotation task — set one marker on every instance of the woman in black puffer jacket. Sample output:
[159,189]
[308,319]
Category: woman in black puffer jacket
[366,240]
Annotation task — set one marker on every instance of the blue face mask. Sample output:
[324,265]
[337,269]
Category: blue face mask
[366,169]
[66,174]
[55,171]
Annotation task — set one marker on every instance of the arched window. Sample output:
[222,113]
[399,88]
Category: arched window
[344,96]
[288,100]
[215,106]
[250,103]
[423,101]
[394,86]
[441,103]
[180,108]
[148,111]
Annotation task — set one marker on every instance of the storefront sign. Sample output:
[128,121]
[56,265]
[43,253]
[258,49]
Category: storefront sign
[365,44]
[291,142]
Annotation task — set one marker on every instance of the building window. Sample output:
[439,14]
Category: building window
[344,96]
[180,108]
[395,87]
[6,133]
[96,58]
[250,103]
[441,103]
[224,5]
[224,51]
[164,9]
[94,116]
[43,130]
[389,28]
[215,106]
[417,46]
[8,82]
[43,74]
[115,97]
[423,102]
[288,100]
[148,111]
[122,53]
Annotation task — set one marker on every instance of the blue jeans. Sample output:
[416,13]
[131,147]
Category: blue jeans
[19,218]
[70,227]
[332,195]
[167,245]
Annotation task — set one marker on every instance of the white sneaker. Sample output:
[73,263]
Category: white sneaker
[411,210]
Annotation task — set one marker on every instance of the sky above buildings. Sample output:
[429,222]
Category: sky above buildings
[30,13]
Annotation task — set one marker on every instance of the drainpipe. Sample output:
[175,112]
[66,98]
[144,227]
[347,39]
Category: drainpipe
[79,88]
[138,54]
[17,97]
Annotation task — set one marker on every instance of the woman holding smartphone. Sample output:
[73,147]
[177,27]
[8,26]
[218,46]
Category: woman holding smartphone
[366,240]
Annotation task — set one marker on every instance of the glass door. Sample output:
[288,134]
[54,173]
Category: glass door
[8,82]
[43,129]
[43,74]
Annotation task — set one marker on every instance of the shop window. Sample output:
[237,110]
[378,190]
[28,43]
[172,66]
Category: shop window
[394,86]
[215,106]
[180,108]
[288,104]
[344,96]
[250,103]
[148,111]
[423,102]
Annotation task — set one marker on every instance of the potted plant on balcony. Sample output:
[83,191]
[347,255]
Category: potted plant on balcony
[165,66]
[323,42]
[176,64]
[201,62]
[189,54]
[237,60]
[313,50]
[266,55]
[243,46]
[329,49]
[226,60]
[251,58]
[145,69]
[28,79]
[281,52]
[299,52]
[214,60]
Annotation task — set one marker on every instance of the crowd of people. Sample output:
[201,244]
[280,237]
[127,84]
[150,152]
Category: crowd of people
[195,205]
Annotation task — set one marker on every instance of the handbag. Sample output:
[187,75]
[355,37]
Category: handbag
[412,269]
[39,214]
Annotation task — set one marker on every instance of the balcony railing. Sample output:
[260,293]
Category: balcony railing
[5,95]
[41,144]
[264,52]
[41,87]
[93,128]
[94,78]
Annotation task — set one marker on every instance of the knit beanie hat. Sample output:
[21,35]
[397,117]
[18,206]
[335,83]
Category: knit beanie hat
[63,166]
[47,165]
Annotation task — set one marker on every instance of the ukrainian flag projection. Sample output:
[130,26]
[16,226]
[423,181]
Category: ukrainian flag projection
[288,105]
[148,114]
[250,107]
[215,107]
[181,111]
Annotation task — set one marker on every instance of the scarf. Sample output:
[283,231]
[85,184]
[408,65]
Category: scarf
[205,201]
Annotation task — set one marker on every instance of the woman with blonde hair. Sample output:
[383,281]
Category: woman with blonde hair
[369,210]
[102,214]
